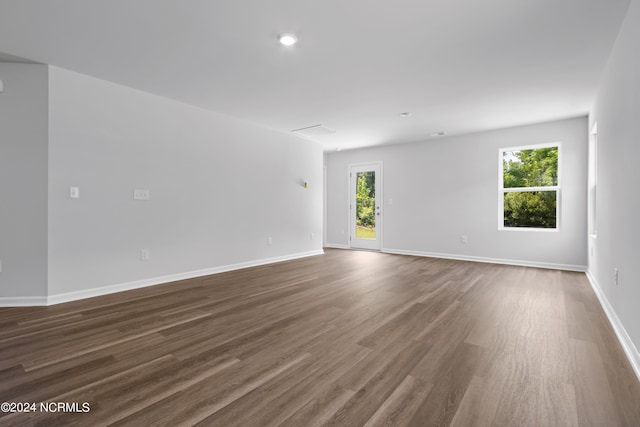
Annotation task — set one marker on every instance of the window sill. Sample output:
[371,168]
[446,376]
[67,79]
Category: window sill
[543,230]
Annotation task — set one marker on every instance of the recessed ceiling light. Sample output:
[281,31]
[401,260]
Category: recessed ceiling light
[288,39]
[405,114]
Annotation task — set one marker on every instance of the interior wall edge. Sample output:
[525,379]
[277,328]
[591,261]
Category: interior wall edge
[23,301]
[111,289]
[623,337]
[534,264]
[336,246]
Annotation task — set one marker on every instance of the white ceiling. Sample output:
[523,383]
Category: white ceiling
[457,65]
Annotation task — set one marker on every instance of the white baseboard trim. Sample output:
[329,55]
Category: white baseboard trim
[105,290]
[336,246]
[22,301]
[535,264]
[625,340]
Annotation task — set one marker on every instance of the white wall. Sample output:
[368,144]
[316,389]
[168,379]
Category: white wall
[617,245]
[219,187]
[443,189]
[23,180]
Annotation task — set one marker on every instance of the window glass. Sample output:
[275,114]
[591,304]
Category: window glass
[529,187]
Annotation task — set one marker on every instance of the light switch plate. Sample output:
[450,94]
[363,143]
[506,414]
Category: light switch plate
[140,194]
[74,192]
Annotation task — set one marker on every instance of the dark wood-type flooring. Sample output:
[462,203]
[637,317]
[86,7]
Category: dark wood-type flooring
[348,338]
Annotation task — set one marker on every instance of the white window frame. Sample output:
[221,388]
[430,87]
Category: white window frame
[502,190]
[593,181]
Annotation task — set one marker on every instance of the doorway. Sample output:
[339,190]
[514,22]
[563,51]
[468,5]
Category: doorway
[365,206]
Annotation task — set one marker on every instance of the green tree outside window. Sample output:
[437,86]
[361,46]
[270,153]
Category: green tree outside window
[365,205]
[530,187]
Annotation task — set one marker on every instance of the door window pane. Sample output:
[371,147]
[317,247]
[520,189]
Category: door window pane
[365,205]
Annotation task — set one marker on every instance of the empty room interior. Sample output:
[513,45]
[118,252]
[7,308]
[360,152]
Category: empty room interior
[291,213]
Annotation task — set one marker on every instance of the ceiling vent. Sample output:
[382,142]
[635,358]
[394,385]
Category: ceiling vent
[315,130]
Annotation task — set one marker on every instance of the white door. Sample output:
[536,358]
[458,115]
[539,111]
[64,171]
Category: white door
[365,213]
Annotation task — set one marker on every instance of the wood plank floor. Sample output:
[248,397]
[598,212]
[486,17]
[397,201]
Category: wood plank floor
[348,338]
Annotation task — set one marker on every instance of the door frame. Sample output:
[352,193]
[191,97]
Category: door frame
[351,204]
[324,206]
